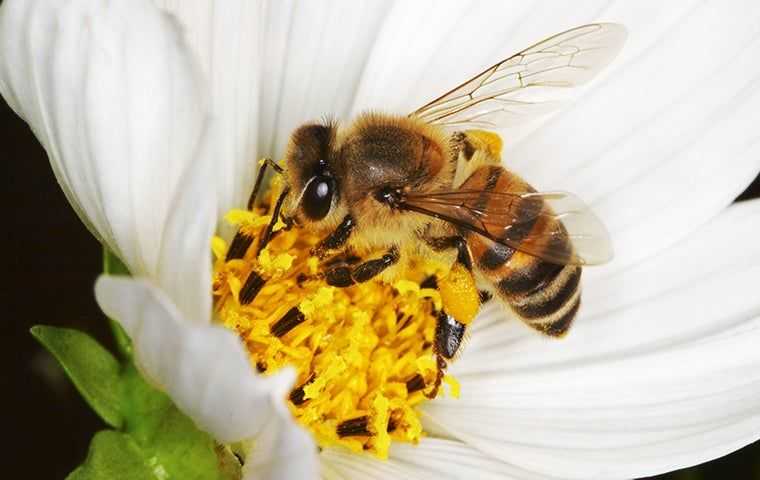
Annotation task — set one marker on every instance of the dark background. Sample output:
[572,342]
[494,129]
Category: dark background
[50,263]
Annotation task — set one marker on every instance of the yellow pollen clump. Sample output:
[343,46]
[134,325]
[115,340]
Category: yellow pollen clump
[364,354]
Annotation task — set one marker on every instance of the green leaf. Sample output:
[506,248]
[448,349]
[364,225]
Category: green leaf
[115,456]
[167,437]
[113,266]
[156,441]
[92,369]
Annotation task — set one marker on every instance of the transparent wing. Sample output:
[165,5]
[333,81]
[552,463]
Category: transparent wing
[554,226]
[525,85]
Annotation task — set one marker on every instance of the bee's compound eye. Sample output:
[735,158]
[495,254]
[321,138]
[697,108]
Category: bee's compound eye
[318,197]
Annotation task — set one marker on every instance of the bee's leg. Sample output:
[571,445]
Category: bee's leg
[344,276]
[456,241]
[337,238]
[441,365]
[448,338]
[241,242]
[268,162]
[268,232]
[460,145]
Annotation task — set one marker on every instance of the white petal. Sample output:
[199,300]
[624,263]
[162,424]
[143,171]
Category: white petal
[666,379]
[112,93]
[204,368]
[316,52]
[228,43]
[282,450]
[432,458]
[427,48]
[184,269]
[667,139]
[706,253]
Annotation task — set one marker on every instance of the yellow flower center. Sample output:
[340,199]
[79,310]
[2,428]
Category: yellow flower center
[364,354]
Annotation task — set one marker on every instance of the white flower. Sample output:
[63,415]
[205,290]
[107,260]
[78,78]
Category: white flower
[153,122]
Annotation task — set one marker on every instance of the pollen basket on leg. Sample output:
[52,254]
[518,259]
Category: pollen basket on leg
[364,354]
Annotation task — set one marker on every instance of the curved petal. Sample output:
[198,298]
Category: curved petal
[432,458]
[315,54]
[426,48]
[666,140]
[282,450]
[272,66]
[663,381]
[205,369]
[184,268]
[112,93]
[228,43]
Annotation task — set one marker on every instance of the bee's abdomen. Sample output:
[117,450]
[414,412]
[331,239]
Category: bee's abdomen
[544,295]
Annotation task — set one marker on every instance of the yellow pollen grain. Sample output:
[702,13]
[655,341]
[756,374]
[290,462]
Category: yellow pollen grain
[354,348]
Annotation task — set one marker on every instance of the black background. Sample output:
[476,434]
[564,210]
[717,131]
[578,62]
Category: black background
[50,265]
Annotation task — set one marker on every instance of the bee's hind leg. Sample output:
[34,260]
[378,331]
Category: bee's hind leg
[449,334]
[456,241]
[450,331]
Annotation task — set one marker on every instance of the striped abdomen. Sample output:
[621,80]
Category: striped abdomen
[544,295]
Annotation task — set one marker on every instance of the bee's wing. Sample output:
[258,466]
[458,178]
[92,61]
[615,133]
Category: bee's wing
[554,226]
[517,88]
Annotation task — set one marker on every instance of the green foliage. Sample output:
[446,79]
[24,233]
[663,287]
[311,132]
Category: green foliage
[92,369]
[153,440]
[113,455]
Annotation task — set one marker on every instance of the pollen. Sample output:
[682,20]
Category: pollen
[364,354]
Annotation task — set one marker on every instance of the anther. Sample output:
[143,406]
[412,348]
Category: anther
[415,383]
[251,288]
[297,395]
[239,246]
[355,427]
[288,322]
[392,425]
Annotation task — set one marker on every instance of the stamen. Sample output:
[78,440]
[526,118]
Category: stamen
[239,246]
[354,427]
[298,395]
[251,288]
[291,320]
[366,355]
[416,383]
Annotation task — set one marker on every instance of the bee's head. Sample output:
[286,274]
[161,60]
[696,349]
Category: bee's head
[314,183]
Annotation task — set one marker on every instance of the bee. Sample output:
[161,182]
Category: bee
[432,183]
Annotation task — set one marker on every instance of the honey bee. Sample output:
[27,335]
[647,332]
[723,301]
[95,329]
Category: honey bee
[432,183]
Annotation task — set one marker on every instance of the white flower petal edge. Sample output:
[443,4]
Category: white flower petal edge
[114,96]
[228,45]
[315,54]
[431,459]
[666,140]
[666,381]
[204,368]
[259,90]
[283,450]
